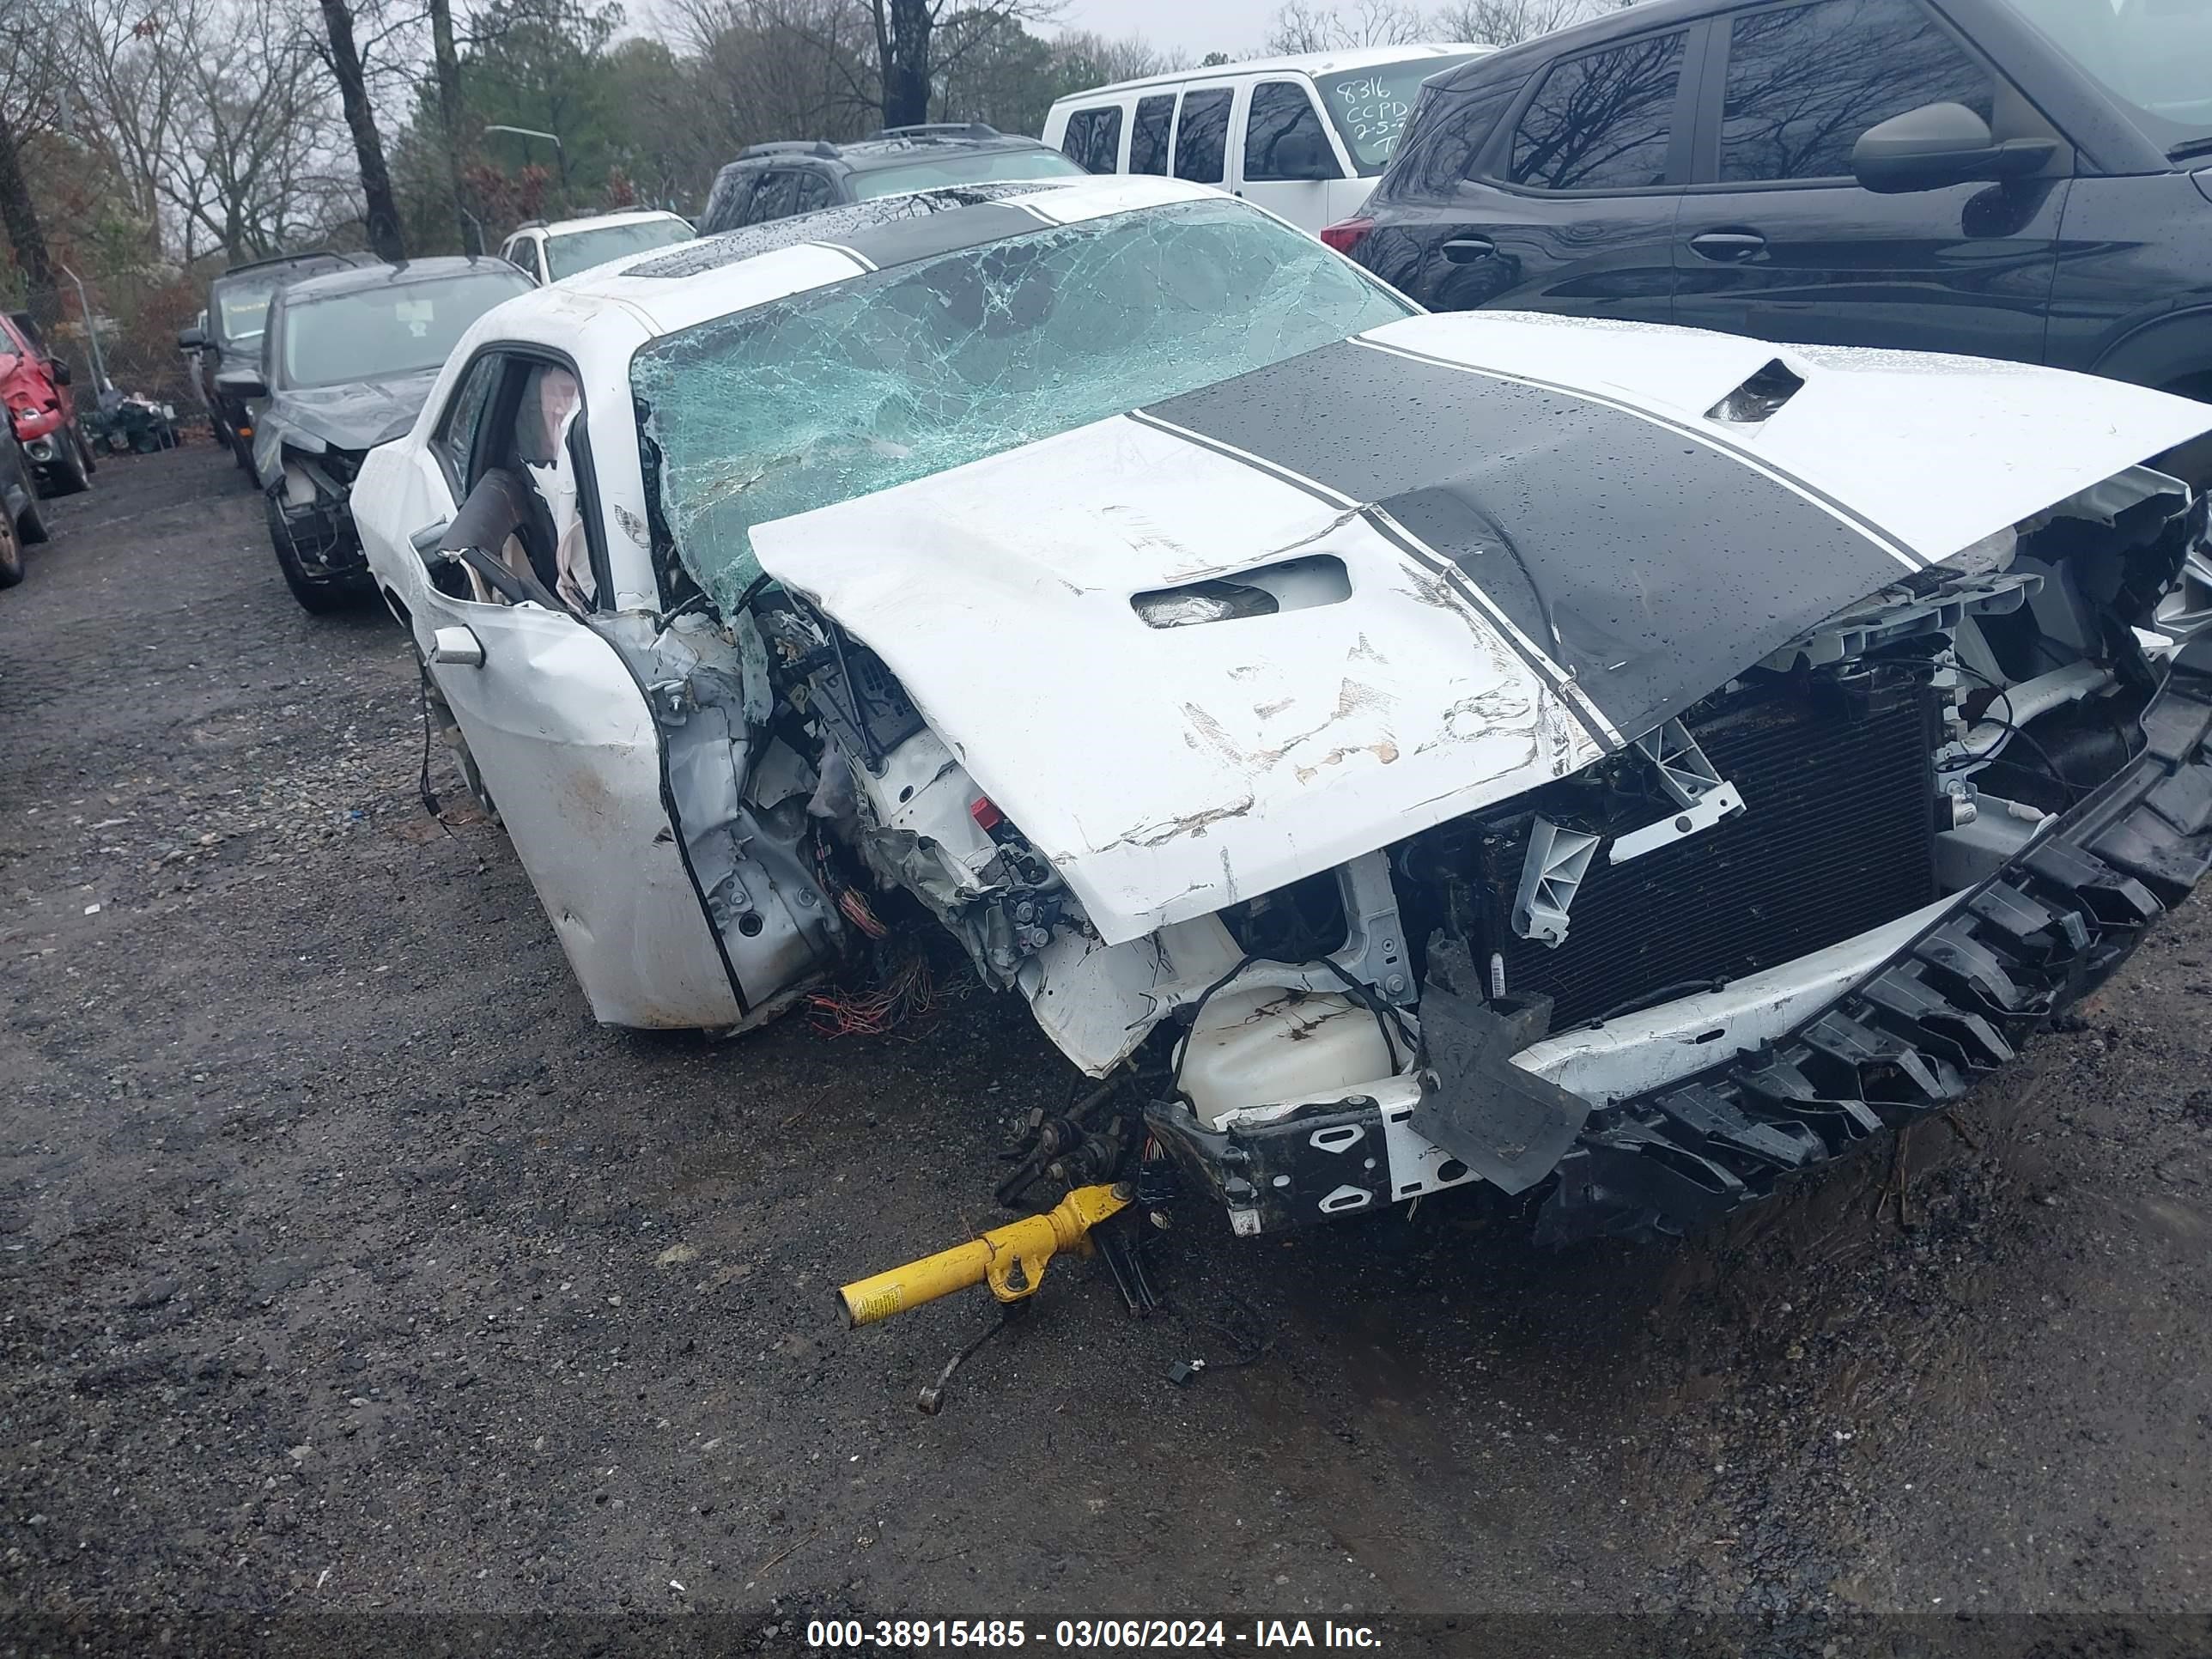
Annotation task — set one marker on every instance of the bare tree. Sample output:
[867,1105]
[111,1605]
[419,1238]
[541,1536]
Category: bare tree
[904,57]
[25,78]
[1508,22]
[447,61]
[1308,26]
[381,212]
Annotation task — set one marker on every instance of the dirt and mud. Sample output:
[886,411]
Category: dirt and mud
[349,1270]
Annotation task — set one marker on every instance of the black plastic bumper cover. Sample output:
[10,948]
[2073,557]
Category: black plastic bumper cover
[1911,1038]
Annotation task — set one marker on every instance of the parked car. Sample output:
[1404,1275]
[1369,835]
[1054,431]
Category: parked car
[1304,136]
[1599,758]
[227,336]
[2006,178]
[347,358]
[42,408]
[20,521]
[550,252]
[775,181]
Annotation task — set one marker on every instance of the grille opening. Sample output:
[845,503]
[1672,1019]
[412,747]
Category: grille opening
[1836,838]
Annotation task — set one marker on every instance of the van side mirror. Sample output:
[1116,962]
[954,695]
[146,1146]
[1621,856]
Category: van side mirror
[243,384]
[1302,153]
[1939,144]
[192,339]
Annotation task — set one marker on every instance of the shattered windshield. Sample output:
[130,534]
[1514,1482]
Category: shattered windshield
[919,368]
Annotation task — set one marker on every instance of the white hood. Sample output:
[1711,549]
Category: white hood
[1549,547]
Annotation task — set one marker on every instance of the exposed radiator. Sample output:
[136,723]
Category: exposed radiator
[1838,836]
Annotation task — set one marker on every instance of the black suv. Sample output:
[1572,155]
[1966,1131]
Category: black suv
[775,181]
[2001,177]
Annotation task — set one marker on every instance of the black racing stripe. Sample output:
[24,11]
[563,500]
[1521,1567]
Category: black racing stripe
[1542,667]
[1653,566]
[1841,509]
[1545,670]
[902,242]
[1281,474]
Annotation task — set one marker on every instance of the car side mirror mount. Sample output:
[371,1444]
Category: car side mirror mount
[61,373]
[430,542]
[1939,144]
[243,384]
[192,339]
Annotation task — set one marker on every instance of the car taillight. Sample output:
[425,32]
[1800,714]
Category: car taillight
[1347,234]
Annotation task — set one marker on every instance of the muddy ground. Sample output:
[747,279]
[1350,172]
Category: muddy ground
[346,1266]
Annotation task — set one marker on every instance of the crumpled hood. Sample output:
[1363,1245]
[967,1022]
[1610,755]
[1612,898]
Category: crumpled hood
[357,416]
[1534,543]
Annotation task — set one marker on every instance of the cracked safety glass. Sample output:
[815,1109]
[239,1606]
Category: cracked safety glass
[919,368]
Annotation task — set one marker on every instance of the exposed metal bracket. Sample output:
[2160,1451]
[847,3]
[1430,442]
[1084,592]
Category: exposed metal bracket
[1374,950]
[1556,861]
[1693,782]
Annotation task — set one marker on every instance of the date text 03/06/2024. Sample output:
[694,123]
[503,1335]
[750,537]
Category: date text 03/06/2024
[1084,1634]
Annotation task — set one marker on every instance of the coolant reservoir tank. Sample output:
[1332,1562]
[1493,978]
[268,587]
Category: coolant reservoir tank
[1254,1048]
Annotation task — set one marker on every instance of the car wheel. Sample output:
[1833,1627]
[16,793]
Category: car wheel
[84,450]
[32,526]
[68,472]
[317,595]
[11,553]
[2192,462]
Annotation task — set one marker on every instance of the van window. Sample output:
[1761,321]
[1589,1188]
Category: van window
[1602,121]
[1283,134]
[1369,105]
[1803,83]
[1202,145]
[815,190]
[1148,139]
[1093,138]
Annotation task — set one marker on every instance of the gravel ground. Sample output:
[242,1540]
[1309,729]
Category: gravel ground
[348,1270]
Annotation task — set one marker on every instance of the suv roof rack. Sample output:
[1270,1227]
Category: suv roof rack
[790,147]
[942,129]
[288,258]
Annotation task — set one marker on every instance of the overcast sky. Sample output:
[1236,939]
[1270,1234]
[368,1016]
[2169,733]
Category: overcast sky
[1189,28]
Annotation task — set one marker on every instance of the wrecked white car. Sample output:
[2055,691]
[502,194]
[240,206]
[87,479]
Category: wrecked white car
[1624,765]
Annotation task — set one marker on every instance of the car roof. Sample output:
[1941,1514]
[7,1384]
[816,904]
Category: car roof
[675,288]
[1303,62]
[889,149]
[329,257]
[595,220]
[1606,26]
[358,278]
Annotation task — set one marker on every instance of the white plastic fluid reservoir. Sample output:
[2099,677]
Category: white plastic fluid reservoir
[1257,1047]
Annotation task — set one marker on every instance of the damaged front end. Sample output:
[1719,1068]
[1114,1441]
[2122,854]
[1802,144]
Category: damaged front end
[1644,960]
[310,510]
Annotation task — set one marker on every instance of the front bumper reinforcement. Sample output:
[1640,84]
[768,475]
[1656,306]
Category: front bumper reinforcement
[1911,1038]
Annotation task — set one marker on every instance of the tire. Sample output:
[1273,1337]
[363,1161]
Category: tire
[318,598]
[84,449]
[68,474]
[11,553]
[32,525]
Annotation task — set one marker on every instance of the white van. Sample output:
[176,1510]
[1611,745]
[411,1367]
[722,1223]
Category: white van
[1304,137]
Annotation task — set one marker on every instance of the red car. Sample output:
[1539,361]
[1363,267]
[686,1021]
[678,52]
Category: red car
[41,408]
